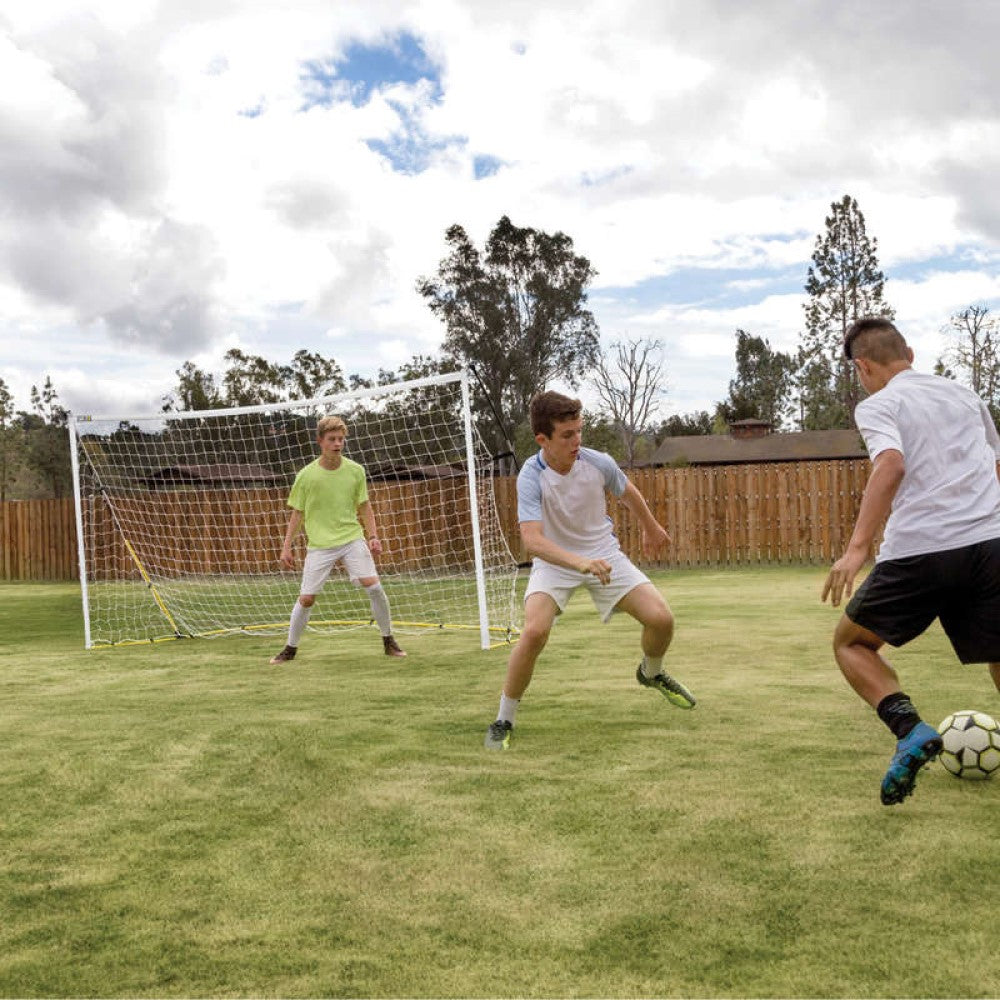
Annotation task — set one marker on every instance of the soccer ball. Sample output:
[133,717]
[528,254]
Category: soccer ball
[971,744]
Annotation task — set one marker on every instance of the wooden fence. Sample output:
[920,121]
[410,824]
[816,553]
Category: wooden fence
[38,540]
[792,512]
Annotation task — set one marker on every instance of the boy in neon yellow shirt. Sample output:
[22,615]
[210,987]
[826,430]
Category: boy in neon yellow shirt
[330,499]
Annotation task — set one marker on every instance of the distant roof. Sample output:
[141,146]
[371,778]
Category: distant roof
[723,449]
[402,471]
[231,473]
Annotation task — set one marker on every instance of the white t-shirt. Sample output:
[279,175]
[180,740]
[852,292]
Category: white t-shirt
[572,507]
[949,496]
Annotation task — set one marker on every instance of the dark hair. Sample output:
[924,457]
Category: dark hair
[875,338]
[549,408]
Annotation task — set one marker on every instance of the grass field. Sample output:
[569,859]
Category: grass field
[184,820]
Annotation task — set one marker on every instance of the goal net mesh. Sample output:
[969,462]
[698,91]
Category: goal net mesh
[183,515]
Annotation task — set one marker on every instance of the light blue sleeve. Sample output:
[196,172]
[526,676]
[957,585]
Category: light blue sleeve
[529,491]
[614,478]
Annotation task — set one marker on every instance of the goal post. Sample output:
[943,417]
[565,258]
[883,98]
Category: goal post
[181,517]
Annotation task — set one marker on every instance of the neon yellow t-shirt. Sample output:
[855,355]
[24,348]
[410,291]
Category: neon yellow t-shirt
[329,501]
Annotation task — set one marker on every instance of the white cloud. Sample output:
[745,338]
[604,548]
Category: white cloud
[163,186]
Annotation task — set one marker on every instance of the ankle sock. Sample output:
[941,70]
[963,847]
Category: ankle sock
[651,666]
[508,709]
[897,712]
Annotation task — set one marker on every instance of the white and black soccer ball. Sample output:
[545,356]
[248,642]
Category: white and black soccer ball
[971,744]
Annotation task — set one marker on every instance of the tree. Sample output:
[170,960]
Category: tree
[763,384]
[47,445]
[310,375]
[250,379]
[844,284]
[629,381]
[517,311]
[974,354]
[8,440]
[692,424]
[196,390]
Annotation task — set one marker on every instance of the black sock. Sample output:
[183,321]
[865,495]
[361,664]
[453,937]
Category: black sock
[897,712]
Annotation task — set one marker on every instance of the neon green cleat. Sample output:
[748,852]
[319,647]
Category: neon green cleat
[498,735]
[672,690]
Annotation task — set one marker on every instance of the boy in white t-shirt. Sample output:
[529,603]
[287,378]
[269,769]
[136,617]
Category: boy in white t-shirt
[565,526]
[935,453]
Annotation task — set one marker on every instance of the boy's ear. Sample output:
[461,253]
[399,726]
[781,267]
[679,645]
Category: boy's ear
[541,440]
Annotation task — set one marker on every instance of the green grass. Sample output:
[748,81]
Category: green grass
[184,820]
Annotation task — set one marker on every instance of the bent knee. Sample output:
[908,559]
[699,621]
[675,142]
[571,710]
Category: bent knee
[661,620]
[536,635]
[848,634]
[307,600]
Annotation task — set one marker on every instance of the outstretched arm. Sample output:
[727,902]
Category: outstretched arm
[654,535]
[887,473]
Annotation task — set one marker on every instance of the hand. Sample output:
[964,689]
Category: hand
[654,538]
[375,546]
[599,568]
[840,579]
[287,559]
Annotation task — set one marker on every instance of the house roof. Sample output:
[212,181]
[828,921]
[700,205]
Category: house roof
[227,472]
[403,471]
[723,449]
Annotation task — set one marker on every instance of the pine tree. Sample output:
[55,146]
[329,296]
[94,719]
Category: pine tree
[844,283]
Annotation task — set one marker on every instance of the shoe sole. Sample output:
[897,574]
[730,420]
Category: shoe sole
[676,699]
[915,760]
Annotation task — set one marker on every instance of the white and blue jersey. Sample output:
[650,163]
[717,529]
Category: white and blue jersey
[572,507]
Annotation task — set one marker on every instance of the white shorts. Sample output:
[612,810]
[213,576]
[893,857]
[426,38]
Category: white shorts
[560,583]
[355,556]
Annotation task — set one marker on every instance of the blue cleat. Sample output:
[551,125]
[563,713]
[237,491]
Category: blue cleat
[919,747]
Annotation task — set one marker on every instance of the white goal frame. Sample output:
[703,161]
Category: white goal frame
[493,566]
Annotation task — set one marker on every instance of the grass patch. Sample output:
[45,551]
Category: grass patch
[184,820]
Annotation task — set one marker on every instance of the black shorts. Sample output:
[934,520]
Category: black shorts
[901,597]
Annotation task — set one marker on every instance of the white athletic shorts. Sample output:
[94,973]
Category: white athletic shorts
[560,583]
[355,556]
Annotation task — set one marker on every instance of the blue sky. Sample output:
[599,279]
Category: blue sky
[180,181]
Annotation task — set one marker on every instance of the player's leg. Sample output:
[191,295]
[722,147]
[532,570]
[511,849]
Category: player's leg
[315,571]
[297,622]
[540,612]
[646,605]
[972,622]
[857,652]
[360,568]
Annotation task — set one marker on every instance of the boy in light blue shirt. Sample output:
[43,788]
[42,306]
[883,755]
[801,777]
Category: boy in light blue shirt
[565,527]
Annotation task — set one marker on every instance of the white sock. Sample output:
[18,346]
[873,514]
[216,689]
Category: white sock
[508,708]
[652,665]
[380,608]
[297,623]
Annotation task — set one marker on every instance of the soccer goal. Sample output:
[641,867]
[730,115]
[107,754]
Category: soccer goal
[181,516]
